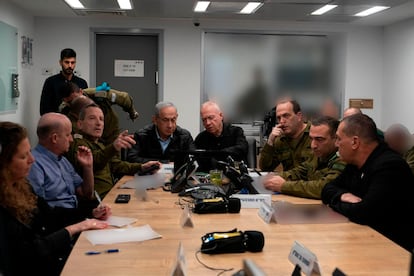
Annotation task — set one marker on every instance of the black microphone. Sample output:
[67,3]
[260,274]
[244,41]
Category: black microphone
[217,205]
[232,242]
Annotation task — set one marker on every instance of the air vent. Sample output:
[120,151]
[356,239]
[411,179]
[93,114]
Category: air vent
[100,12]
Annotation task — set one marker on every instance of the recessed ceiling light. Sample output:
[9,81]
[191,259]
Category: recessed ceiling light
[371,11]
[201,6]
[324,9]
[251,7]
[125,4]
[75,4]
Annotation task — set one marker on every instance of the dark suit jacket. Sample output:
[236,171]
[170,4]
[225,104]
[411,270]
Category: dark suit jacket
[148,147]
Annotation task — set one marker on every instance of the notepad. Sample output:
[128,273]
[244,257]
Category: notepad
[111,236]
[120,221]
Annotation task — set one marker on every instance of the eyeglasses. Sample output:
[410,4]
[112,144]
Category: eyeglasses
[167,120]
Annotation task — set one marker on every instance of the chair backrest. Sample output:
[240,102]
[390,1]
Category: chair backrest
[252,152]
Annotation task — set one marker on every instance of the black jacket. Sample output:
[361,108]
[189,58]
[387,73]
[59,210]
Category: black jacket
[231,141]
[51,96]
[148,147]
[40,248]
[386,186]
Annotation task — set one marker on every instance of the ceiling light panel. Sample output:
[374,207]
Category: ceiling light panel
[201,6]
[371,11]
[75,4]
[324,9]
[125,4]
[251,7]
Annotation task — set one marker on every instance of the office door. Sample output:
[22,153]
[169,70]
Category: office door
[143,87]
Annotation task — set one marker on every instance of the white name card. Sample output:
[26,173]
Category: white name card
[185,219]
[266,212]
[303,257]
[180,266]
[253,200]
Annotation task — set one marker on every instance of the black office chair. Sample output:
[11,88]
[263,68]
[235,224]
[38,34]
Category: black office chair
[251,152]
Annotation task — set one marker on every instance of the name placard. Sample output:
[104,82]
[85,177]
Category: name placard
[303,257]
[180,265]
[266,212]
[185,219]
[253,200]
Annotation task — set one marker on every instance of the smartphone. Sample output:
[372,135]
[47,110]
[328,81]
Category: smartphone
[149,170]
[122,198]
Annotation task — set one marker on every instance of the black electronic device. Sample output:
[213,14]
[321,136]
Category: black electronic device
[217,205]
[122,198]
[150,170]
[232,242]
[206,159]
[179,181]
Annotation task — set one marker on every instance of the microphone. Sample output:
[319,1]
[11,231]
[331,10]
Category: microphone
[232,242]
[217,205]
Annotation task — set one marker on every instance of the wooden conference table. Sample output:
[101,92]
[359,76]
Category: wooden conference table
[355,249]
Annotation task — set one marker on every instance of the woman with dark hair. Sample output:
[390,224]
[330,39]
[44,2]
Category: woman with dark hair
[34,238]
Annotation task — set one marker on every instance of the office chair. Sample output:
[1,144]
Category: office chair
[251,152]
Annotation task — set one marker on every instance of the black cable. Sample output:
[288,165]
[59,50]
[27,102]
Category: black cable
[222,270]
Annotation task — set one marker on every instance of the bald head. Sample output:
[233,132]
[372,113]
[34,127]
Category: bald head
[54,132]
[351,111]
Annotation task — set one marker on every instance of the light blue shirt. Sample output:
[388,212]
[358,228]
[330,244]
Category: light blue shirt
[164,143]
[54,178]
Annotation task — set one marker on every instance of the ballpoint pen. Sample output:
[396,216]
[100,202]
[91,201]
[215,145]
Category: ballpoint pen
[98,198]
[99,252]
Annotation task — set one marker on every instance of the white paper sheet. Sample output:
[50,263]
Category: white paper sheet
[120,221]
[145,181]
[111,236]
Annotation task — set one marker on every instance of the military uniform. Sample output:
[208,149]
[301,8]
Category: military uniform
[308,179]
[286,151]
[123,99]
[105,99]
[105,162]
[409,157]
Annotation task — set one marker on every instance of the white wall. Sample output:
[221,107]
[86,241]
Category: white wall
[181,60]
[398,96]
[24,23]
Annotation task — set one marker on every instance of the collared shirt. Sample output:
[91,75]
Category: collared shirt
[164,143]
[54,178]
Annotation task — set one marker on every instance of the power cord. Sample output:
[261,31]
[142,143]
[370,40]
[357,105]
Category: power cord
[222,270]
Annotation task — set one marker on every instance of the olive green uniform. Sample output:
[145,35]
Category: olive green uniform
[286,151]
[308,179]
[123,99]
[105,100]
[409,157]
[105,163]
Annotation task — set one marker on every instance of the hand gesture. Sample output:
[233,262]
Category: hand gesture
[124,141]
[84,156]
[276,132]
[273,182]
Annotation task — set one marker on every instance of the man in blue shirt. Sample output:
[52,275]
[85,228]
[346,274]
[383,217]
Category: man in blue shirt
[52,175]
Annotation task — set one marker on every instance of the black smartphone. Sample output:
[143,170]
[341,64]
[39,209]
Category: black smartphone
[122,198]
[149,170]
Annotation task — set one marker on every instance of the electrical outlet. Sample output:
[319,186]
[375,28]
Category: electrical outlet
[47,71]
[77,73]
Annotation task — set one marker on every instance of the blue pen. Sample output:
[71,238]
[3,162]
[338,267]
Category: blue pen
[112,250]
[115,250]
[92,253]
